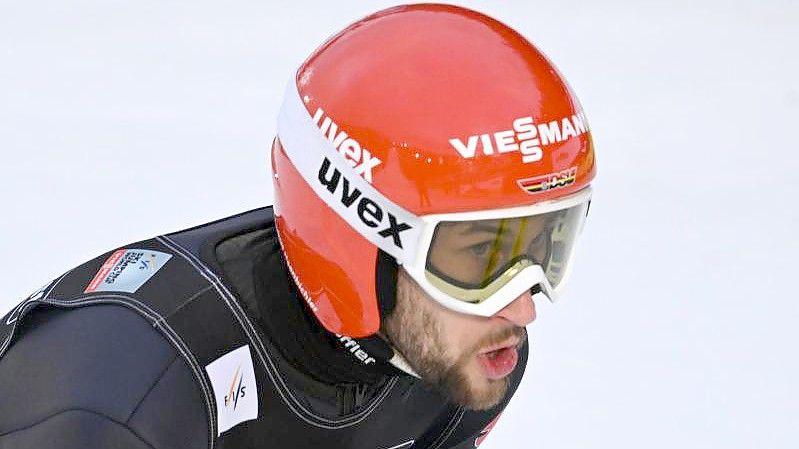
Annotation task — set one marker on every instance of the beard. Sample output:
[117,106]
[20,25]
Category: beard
[415,333]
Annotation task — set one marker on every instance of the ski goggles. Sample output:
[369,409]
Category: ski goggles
[471,262]
[479,262]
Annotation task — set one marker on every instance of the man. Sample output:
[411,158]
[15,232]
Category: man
[431,175]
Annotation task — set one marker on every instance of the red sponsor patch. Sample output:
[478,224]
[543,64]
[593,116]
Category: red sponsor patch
[104,270]
[484,433]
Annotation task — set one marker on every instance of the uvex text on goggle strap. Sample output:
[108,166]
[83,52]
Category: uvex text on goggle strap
[471,262]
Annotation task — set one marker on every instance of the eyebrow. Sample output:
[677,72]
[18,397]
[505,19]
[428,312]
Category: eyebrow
[482,226]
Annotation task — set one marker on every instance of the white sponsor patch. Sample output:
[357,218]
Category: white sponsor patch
[126,270]
[233,380]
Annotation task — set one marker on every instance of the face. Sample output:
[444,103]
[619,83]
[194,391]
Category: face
[469,358]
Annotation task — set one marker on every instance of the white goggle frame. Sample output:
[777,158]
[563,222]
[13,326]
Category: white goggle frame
[520,283]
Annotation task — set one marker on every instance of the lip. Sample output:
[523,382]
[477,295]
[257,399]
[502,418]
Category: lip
[512,343]
[499,361]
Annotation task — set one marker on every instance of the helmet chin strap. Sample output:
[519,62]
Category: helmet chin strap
[378,347]
[386,286]
[399,362]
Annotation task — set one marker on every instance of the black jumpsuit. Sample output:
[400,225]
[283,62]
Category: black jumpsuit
[98,373]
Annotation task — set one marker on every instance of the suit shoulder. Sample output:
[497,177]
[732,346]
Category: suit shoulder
[103,364]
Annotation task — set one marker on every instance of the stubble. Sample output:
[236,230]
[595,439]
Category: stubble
[414,331]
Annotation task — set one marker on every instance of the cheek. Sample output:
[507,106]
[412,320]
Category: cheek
[460,333]
[454,333]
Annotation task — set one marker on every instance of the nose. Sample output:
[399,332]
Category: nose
[521,311]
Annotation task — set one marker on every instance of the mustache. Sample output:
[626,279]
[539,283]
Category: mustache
[500,337]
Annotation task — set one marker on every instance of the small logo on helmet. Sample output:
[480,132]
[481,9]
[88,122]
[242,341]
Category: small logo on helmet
[526,137]
[548,182]
[356,156]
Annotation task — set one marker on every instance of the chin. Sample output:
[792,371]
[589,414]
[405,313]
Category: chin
[470,388]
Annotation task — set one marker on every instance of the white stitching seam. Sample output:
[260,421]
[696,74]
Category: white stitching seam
[29,300]
[20,310]
[272,371]
[264,354]
[453,424]
[177,342]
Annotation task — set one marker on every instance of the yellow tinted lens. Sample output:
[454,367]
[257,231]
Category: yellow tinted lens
[471,260]
[477,295]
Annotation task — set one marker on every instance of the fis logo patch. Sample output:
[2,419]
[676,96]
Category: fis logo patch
[237,390]
[236,393]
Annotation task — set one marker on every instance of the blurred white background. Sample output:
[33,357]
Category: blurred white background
[120,120]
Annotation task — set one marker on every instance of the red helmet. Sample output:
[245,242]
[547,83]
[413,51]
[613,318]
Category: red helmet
[409,129]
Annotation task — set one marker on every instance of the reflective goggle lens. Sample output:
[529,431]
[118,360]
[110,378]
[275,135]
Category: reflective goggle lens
[471,260]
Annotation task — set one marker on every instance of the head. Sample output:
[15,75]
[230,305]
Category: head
[438,141]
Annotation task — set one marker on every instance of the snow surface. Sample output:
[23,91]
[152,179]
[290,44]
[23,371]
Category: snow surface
[123,120]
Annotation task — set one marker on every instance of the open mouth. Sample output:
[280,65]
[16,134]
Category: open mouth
[513,343]
[500,360]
